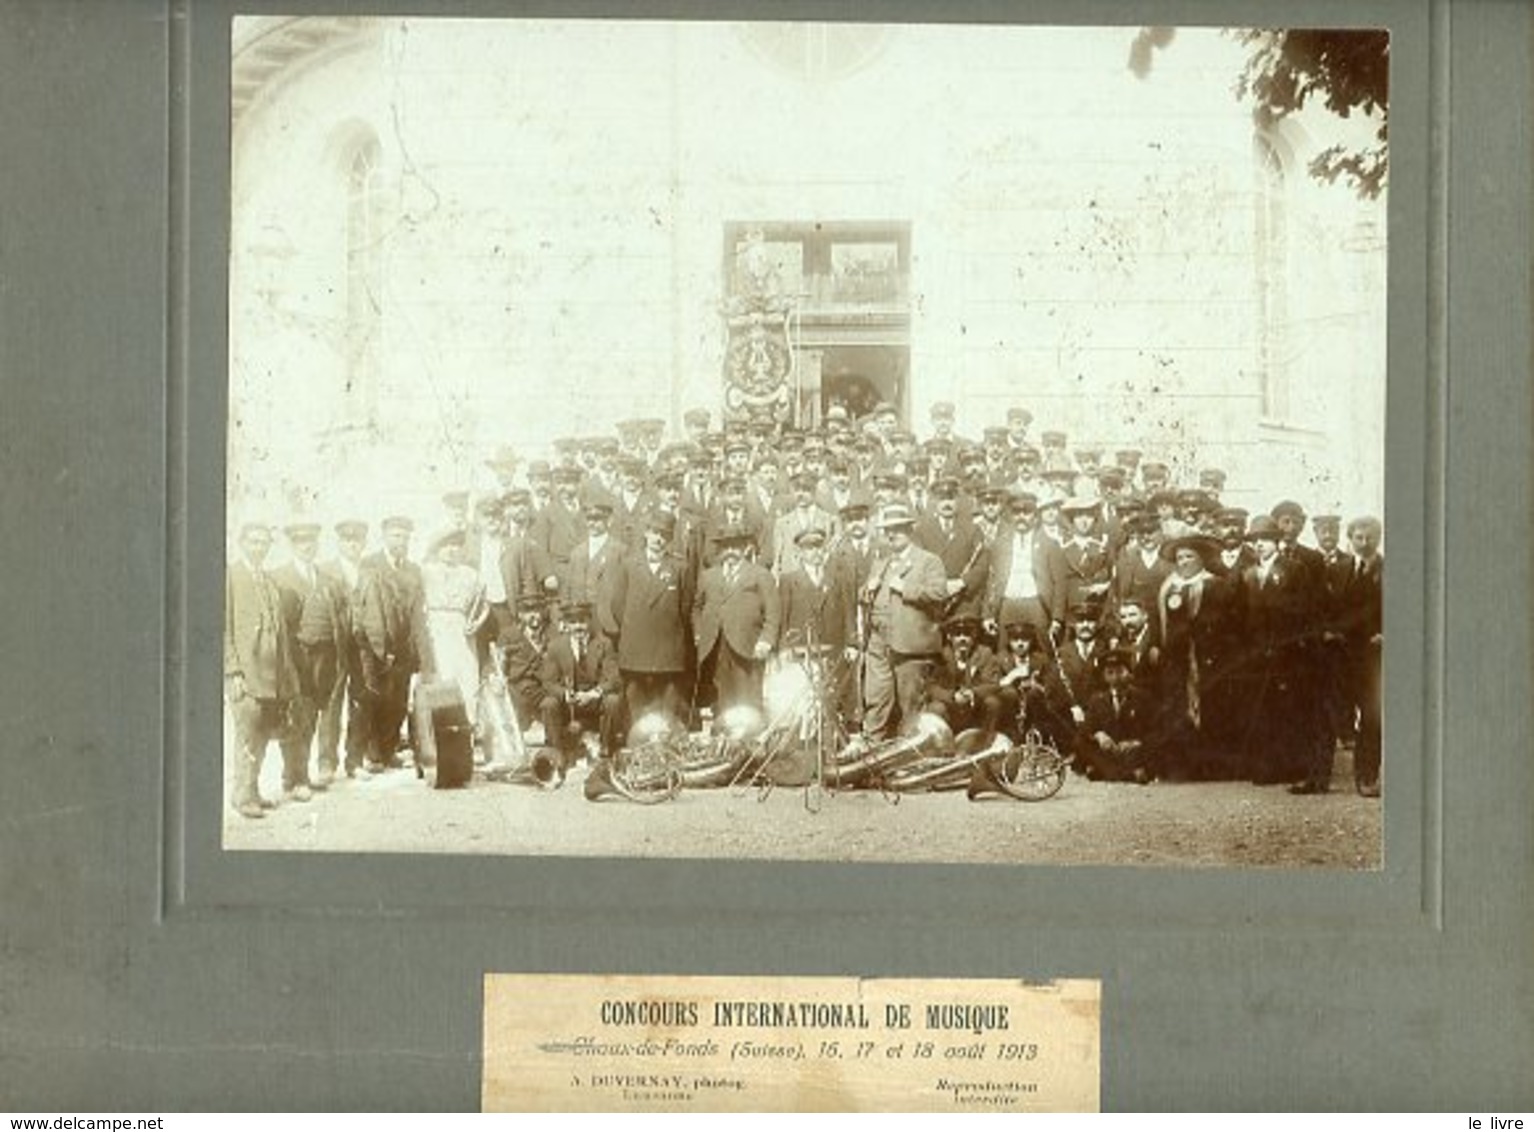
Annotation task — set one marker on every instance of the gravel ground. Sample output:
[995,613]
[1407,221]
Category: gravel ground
[1209,824]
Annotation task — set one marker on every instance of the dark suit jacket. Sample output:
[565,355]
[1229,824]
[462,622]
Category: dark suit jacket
[257,646]
[317,613]
[525,566]
[743,612]
[1048,572]
[964,556]
[1085,566]
[558,530]
[523,664]
[1131,721]
[586,577]
[831,608]
[753,519]
[598,667]
[391,612]
[1362,604]
[1132,578]
[1276,614]
[981,675]
[647,613]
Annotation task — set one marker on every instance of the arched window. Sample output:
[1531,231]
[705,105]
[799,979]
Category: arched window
[1272,262]
[364,281]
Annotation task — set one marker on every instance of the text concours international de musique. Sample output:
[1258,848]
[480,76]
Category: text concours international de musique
[977,1018]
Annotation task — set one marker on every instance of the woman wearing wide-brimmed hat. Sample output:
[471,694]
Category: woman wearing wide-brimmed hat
[1197,612]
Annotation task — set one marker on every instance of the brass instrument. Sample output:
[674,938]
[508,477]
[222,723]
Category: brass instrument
[661,760]
[510,759]
[1029,771]
[858,766]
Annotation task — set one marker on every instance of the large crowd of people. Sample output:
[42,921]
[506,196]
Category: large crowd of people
[1142,626]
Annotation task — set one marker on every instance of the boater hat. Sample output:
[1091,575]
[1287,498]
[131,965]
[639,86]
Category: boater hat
[896,515]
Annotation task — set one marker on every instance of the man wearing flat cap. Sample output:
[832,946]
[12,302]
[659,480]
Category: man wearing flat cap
[817,603]
[1027,577]
[903,597]
[260,673]
[804,515]
[960,547]
[593,558]
[582,687]
[695,424]
[965,688]
[391,630]
[561,525]
[318,618]
[1019,420]
[345,574]
[734,510]
[735,625]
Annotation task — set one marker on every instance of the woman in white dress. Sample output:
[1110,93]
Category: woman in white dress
[455,610]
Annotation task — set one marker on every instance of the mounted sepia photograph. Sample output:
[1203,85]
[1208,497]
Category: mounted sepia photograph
[807,441]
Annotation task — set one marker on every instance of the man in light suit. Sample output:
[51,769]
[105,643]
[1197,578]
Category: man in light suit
[904,596]
[804,515]
[735,624]
[1026,582]
[260,676]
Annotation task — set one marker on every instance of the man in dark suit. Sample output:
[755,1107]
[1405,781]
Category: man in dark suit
[529,569]
[646,610]
[591,560]
[959,545]
[1363,630]
[818,604]
[1112,744]
[315,609]
[1026,581]
[1330,660]
[559,527]
[260,676]
[965,688]
[1141,569]
[391,638]
[522,656]
[1275,600]
[904,594]
[582,688]
[735,624]
[735,510]
[1087,564]
[345,572]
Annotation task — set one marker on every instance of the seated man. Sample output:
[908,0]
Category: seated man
[1032,690]
[522,660]
[1111,744]
[965,688]
[582,688]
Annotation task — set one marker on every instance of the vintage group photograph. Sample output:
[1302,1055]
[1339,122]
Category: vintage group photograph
[807,441]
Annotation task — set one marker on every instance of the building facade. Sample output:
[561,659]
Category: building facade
[448,236]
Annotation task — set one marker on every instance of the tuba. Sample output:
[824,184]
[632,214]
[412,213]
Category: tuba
[510,759]
[859,766]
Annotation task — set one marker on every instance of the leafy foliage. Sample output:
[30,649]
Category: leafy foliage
[1348,69]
